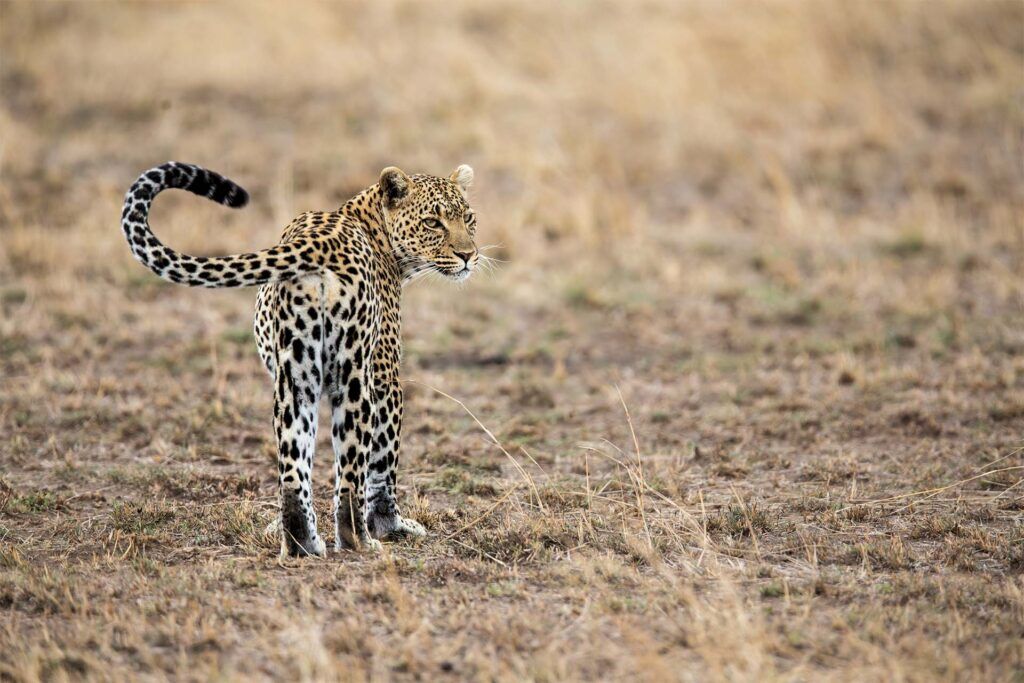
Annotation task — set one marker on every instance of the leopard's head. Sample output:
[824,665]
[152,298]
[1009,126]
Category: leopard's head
[429,221]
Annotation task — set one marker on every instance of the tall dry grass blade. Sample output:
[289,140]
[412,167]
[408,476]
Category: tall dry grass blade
[526,476]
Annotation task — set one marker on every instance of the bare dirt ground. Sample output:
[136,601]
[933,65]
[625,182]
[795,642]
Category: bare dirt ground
[752,364]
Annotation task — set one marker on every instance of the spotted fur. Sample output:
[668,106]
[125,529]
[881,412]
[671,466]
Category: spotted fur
[328,326]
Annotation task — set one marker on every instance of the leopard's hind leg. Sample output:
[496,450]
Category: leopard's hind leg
[298,380]
[351,432]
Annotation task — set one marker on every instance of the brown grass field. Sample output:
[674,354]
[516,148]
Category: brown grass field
[753,362]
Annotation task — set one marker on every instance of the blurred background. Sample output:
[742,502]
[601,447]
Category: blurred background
[718,163]
[791,233]
[858,164]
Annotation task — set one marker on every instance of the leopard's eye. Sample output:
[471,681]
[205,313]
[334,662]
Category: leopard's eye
[469,218]
[433,224]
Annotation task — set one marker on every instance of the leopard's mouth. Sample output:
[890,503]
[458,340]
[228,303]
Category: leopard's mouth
[454,273]
[460,275]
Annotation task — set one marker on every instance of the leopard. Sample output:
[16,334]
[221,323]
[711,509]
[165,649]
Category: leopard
[328,329]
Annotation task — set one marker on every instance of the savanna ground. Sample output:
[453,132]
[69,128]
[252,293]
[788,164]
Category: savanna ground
[786,237]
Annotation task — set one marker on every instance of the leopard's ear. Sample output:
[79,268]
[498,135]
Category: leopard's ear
[463,177]
[395,186]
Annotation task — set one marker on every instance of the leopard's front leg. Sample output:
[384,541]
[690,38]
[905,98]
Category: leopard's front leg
[385,519]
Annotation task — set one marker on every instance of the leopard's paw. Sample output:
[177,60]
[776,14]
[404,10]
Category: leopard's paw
[394,527]
[409,527]
[311,546]
[367,544]
[316,547]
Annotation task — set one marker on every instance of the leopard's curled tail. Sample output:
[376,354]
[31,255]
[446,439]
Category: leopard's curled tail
[283,262]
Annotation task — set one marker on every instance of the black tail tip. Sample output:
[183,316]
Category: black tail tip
[201,181]
[237,197]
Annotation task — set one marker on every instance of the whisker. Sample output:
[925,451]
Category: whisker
[415,273]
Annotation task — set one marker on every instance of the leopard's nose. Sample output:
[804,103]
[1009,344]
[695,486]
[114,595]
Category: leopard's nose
[465,255]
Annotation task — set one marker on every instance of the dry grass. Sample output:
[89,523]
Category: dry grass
[787,236]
